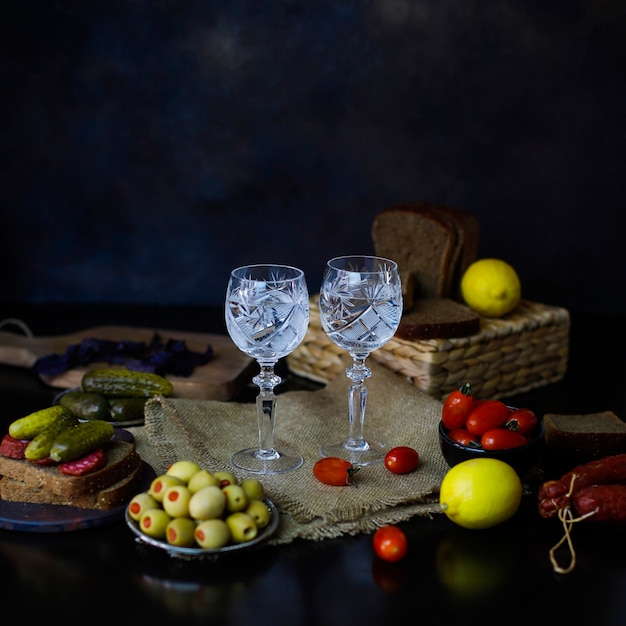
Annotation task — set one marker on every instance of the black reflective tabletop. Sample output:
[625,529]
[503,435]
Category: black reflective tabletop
[452,575]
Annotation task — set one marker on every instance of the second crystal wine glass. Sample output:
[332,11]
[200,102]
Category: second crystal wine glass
[360,310]
[267,316]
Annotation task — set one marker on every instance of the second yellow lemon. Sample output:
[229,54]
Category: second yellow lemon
[491,287]
[480,493]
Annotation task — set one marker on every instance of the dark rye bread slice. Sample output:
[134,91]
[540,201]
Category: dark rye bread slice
[468,236]
[111,497]
[122,460]
[437,318]
[408,290]
[420,242]
[405,232]
[585,437]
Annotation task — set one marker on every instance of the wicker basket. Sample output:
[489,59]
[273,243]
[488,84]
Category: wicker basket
[526,349]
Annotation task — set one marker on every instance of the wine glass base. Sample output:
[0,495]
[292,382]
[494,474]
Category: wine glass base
[366,454]
[257,461]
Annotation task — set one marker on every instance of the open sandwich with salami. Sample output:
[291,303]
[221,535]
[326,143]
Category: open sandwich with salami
[104,479]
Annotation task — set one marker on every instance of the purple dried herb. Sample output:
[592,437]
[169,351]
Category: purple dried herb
[157,356]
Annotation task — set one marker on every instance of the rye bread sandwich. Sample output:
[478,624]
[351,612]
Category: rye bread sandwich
[104,477]
[98,493]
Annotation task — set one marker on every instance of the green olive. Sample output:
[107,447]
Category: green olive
[202,478]
[259,512]
[153,523]
[207,503]
[159,485]
[212,533]
[254,488]
[139,503]
[183,470]
[180,532]
[226,478]
[236,498]
[242,527]
[176,501]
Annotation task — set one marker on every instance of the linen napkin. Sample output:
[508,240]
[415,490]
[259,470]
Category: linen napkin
[208,432]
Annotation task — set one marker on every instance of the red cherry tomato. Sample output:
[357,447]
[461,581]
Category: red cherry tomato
[332,470]
[457,407]
[502,439]
[402,460]
[390,543]
[488,415]
[522,421]
[464,437]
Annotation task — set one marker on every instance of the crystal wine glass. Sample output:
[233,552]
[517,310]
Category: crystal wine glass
[267,316]
[360,310]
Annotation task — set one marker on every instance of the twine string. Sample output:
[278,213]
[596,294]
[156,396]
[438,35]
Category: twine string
[568,520]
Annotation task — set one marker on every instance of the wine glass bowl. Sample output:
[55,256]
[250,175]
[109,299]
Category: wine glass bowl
[360,310]
[267,316]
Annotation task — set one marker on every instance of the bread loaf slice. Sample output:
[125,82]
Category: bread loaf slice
[435,243]
[585,437]
[122,460]
[109,498]
[468,235]
[438,318]
[420,242]
[408,290]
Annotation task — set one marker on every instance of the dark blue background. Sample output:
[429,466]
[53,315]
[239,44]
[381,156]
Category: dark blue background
[150,146]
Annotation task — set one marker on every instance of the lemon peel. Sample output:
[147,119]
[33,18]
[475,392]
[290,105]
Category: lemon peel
[480,493]
[491,287]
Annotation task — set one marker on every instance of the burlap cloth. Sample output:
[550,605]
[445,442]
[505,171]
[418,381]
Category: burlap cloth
[208,432]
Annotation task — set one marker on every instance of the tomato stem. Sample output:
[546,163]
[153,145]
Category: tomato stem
[466,389]
[352,470]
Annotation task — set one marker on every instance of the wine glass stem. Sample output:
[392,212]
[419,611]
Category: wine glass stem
[357,401]
[266,380]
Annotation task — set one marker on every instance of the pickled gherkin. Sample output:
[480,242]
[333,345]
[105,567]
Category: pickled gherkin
[39,447]
[126,409]
[86,405]
[81,439]
[30,425]
[120,383]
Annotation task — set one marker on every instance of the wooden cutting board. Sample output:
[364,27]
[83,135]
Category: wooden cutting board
[219,379]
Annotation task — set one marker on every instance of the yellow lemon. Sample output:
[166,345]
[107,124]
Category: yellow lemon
[491,287]
[480,493]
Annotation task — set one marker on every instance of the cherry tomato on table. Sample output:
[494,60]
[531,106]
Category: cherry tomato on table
[522,421]
[402,460]
[332,470]
[488,415]
[502,439]
[457,407]
[390,543]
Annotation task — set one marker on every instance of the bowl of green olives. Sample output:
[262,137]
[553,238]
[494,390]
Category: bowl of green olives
[190,512]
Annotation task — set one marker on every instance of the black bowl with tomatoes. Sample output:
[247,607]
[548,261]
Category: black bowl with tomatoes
[516,440]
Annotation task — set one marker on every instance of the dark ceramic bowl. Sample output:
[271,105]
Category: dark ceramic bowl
[522,459]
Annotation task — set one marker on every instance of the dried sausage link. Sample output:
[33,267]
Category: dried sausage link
[603,503]
[606,471]
[554,495]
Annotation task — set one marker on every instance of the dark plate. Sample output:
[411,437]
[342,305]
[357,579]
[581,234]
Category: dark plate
[199,553]
[54,518]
